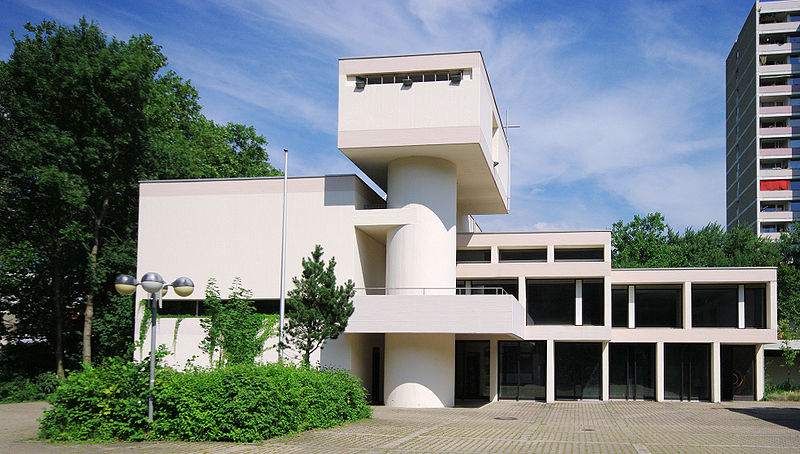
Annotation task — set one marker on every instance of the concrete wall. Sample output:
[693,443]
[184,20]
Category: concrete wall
[419,370]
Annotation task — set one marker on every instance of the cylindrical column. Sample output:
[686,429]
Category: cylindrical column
[419,370]
[422,254]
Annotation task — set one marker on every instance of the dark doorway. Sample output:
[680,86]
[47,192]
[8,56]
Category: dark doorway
[687,371]
[578,370]
[377,379]
[738,381]
[523,369]
[632,371]
[472,370]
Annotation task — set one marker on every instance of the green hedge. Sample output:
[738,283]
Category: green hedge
[239,403]
[21,389]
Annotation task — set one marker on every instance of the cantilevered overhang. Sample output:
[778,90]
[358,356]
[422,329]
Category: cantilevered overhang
[457,314]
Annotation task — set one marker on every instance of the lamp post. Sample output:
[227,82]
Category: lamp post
[155,285]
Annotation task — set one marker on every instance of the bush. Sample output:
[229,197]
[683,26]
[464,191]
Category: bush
[239,403]
[20,389]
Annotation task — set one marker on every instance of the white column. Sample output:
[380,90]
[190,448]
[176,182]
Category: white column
[659,371]
[605,365]
[607,301]
[419,370]
[523,292]
[551,253]
[716,375]
[759,372]
[494,255]
[578,302]
[550,392]
[493,359]
[687,305]
[631,306]
[741,306]
[772,305]
[422,254]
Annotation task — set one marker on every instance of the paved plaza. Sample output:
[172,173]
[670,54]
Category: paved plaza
[615,427]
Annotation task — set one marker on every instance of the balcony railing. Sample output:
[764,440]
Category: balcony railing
[431,291]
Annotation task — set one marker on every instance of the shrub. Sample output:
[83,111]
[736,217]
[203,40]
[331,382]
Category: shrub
[239,403]
[20,389]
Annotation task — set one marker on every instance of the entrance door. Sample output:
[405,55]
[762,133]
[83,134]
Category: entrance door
[687,371]
[738,382]
[632,371]
[472,370]
[522,369]
[578,370]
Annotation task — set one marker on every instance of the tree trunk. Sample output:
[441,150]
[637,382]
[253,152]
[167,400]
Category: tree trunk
[88,314]
[57,314]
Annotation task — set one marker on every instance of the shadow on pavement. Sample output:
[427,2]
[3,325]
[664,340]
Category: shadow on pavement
[786,417]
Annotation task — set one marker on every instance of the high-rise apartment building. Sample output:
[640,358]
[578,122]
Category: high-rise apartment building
[763,120]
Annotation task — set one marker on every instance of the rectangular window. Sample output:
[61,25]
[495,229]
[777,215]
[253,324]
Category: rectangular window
[587,254]
[523,255]
[523,369]
[592,302]
[619,307]
[659,306]
[755,306]
[578,370]
[632,371]
[715,306]
[551,302]
[191,308]
[473,256]
[794,101]
[687,371]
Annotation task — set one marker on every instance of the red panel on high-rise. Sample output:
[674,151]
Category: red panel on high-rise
[774,185]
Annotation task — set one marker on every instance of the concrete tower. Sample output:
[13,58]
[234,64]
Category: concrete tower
[426,129]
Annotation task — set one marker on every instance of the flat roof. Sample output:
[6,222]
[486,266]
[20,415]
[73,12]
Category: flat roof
[195,180]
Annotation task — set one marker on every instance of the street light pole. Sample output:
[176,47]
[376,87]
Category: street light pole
[153,284]
[283,255]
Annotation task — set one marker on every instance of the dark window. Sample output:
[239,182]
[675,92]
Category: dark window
[267,306]
[632,371]
[659,306]
[523,255]
[687,371]
[579,254]
[523,369]
[715,306]
[592,302]
[578,367]
[375,79]
[738,379]
[473,255]
[488,287]
[619,307]
[755,306]
[472,370]
[551,302]
[182,307]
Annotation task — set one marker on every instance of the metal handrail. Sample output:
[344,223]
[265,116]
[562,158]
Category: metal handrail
[438,290]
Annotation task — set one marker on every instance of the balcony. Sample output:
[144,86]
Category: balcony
[785,131]
[779,152]
[787,27]
[778,48]
[785,68]
[420,311]
[780,173]
[783,216]
[779,110]
[779,89]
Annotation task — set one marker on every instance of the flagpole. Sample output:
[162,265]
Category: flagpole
[283,255]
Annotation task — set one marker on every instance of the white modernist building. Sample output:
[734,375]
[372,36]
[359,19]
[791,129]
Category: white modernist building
[443,311]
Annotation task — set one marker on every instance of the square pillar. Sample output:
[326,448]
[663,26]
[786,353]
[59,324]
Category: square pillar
[494,254]
[659,372]
[760,371]
[631,306]
[493,360]
[716,372]
[607,301]
[523,291]
[687,305]
[604,382]
[551,253]
[741,306]
[550,372]
[772,305]
[578,302]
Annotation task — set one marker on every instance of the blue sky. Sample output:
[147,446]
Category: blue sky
[621,103]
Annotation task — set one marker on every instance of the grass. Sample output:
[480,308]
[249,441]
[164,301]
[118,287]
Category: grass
[784,395]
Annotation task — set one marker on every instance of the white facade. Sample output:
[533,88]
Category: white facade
[443,311]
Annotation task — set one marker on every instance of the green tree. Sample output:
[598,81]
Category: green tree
[641,243]
[232,326]
[318,309]
[83,118]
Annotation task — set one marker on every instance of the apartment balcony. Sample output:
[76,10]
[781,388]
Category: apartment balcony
[779,110]
[779,27]
[780,173]
[786,131]
[771,235]
[779,152]
[778,48]
[433,311]
[724,335]
[778,216]
[779,89]
[779,195]
[776,69]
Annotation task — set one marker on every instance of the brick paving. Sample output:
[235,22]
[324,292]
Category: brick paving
[562,427]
